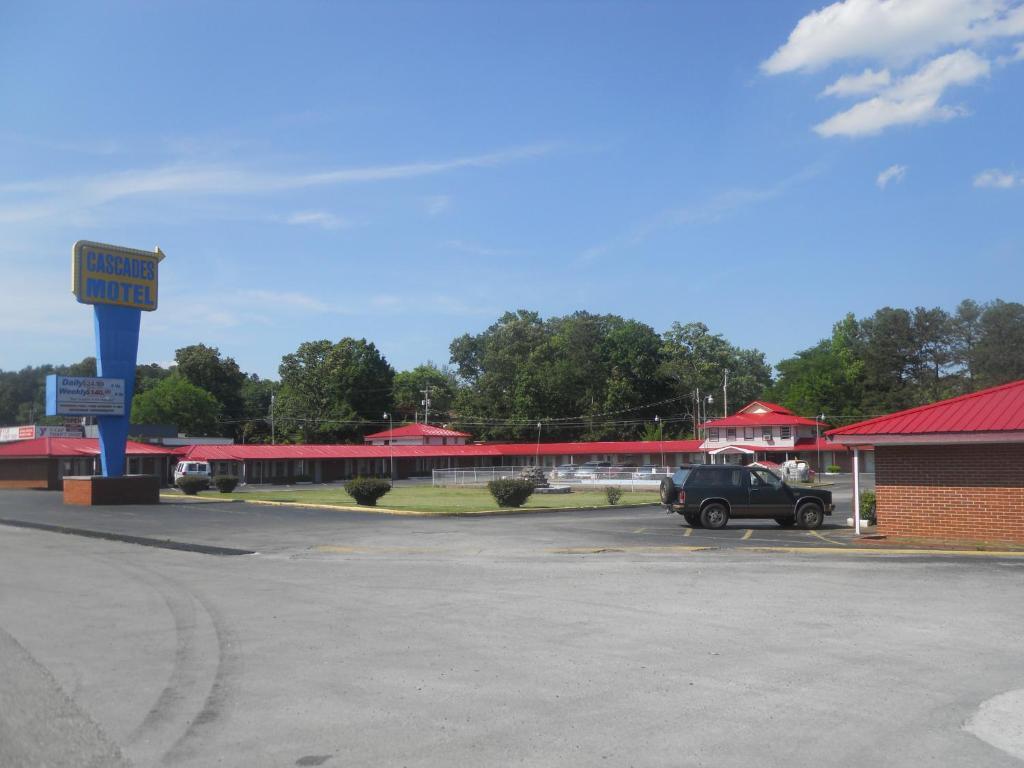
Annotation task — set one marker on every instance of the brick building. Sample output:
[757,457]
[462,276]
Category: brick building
[43,462]
[952,469]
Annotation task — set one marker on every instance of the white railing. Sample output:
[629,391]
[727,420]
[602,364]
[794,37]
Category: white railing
[632,478]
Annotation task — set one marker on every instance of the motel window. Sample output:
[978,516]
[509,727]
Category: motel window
[748,433]
[767,433]
[785,432]
[730,434]
[713,434]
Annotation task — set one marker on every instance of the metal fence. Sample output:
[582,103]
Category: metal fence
[627,478]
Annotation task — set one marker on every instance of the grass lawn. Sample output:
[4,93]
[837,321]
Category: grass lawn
[430,499]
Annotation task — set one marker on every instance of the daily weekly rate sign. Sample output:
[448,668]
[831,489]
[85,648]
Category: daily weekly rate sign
[110,274]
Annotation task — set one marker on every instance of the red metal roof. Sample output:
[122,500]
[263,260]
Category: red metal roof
[770,406]
[999,409]
[49,447]
[283,452]
[762,420]
[416,430]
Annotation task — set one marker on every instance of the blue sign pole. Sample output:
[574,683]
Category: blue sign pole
[117,350]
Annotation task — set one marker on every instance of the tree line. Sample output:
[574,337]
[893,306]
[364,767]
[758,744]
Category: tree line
[575,377]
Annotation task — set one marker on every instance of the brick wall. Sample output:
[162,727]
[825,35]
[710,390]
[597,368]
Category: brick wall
[27,473]
[973,492]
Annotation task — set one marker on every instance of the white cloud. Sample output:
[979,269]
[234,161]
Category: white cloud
[911,99]
[894,174]
[896,31]
[868,81]
[319,219]
[53,198]
[475,249]
[996,179]
[435,205]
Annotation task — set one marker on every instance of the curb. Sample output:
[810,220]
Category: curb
[414,513]
[203,549]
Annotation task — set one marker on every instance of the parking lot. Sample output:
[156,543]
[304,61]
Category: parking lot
[622,637]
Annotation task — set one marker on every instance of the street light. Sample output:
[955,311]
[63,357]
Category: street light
[661,438]
[391,445]
[817,438]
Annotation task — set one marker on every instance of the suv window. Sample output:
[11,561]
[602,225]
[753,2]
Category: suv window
[764,477]
[680,477]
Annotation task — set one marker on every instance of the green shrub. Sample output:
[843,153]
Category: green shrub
[867,506]
[833,468]
[510,493]
[366,490]
[190,485]
[225,483]
[613,493]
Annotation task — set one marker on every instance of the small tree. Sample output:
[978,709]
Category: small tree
[510,493]
[366,490]
[867,506]
[613,494]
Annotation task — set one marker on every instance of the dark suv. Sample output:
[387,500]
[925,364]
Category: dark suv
[707,495]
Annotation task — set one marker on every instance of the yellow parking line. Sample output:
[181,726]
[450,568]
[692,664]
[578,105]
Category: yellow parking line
[689,532]
[747,535]
[825,538]
[639,530]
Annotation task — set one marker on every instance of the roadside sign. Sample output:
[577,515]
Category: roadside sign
[111,274]
[84,396]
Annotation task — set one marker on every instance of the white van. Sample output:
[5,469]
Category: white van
[192,469]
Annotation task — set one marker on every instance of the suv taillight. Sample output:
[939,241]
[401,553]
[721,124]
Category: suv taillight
[682,496]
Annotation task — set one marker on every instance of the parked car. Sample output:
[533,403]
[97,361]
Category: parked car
[564,471]
[644,472]
[593,469]
[709,495]
[192,469]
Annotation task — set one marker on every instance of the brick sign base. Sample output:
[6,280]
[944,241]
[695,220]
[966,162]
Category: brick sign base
[130,489]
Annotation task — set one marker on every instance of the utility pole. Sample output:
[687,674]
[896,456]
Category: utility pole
[725,394]
[426,405]
[272,418]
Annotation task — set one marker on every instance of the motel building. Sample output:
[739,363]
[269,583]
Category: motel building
[953,469]
[416,450]
[760,431]
[767,432]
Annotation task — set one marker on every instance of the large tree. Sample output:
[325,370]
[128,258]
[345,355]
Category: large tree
[581,375]
[695,358]
[220,376]
[331,391]
[409,387]
[175,400]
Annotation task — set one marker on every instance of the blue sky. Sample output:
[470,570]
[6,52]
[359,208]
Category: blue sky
[405,172]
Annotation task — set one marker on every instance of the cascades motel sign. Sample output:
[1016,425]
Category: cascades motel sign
[120,283]
[121,277]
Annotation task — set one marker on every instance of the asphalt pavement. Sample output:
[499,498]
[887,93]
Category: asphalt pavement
[551,639]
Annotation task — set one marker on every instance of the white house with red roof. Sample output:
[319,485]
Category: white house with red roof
[951,469]
[767,431]
[417,434]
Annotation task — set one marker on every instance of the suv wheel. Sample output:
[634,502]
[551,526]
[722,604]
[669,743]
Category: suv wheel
[714,516]
[810,516]
[692,519]
[667,490]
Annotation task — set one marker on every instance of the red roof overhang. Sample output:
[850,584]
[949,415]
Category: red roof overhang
[994,415]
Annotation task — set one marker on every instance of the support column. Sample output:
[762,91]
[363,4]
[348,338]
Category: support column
[856,491]
[117,347]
